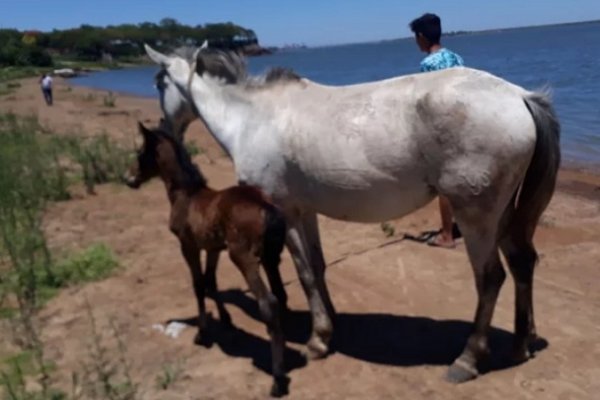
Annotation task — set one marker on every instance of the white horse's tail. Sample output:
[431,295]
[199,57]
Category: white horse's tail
[540,179]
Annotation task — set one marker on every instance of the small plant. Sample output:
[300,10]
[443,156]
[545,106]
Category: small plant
[387,229]
[101,161]
[109,100]
[192,149]
[5,90]
[94,263]
[169,374]
[32,174]
[67,89]
[8,88]
[89,97]
[16,374]
[102,376]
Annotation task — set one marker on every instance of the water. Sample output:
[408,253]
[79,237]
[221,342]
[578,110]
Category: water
[566,58]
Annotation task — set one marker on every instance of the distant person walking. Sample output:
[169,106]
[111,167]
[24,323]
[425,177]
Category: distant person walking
[428,32]
[46,83]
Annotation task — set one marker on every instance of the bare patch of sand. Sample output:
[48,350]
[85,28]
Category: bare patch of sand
[404,309]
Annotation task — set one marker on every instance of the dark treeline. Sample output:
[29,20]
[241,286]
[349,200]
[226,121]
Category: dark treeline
[115,43]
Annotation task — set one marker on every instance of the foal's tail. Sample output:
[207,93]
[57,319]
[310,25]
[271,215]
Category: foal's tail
[540,179]
[274,236]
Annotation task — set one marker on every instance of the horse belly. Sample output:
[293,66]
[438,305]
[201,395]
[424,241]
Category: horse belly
[379,202]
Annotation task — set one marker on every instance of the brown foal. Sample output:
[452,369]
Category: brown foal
[239,219]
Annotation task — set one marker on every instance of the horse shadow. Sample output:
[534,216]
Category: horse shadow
[385,338]
[236,342]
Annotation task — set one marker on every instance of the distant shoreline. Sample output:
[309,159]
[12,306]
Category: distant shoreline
[464,33]
[515,28]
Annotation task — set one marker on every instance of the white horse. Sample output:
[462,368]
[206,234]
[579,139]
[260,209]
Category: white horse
[377,151]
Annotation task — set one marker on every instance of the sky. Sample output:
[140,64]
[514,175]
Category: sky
[312,22]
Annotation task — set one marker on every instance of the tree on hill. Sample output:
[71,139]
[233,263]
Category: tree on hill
[91,43]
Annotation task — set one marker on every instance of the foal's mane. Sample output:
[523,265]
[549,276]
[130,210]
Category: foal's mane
[193,178]
[230,66]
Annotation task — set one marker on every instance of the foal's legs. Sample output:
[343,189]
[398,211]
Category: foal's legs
[249,265]
[191,253]
[212,260]
[271,264]
[304,244]
[521,256]
[479,232]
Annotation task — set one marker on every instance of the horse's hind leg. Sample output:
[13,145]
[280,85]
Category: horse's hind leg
[479,230]
[212,260]
[521,256]
[191,253]
[269,311]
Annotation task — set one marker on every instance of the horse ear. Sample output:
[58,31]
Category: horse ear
[157,57]
[199,50]
[196,53]
[145,132]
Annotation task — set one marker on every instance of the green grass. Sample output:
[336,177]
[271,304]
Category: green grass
[387,229]
[16,371]
[33,172]
[94,263]
[91,264]
[12,73]
[100,160]
[36,168]
[4,90]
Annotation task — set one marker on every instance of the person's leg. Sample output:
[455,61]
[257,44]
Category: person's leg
[45,93]
[50,97]
[444,238]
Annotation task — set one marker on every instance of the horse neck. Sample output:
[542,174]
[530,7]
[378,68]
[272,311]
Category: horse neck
[178,182]
[224,110]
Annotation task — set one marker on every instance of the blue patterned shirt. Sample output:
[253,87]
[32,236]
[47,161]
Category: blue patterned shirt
[441,59]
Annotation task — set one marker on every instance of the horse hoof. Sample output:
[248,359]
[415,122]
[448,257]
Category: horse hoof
[316,349]
[280,387]
[202,340]
[460,372]
[226,322]
[284,312]
[519,356]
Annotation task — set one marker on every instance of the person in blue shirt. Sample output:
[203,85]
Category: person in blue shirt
[428,32]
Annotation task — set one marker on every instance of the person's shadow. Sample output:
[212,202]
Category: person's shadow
[378,338]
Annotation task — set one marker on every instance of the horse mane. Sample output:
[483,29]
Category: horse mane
[231,67]
[193,178]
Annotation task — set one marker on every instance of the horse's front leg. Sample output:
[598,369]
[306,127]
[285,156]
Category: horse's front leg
[304,245]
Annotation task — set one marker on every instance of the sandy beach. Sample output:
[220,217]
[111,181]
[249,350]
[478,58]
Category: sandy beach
[404,308]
